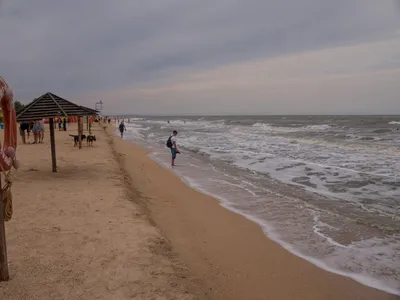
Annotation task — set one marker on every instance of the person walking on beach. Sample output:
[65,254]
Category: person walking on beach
[65,124]
[22,132]
[122,128]
[172,144]
[31,125]
[36,132]
[41,131]
[24,126]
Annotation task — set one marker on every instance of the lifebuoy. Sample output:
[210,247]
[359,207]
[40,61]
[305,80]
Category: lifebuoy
[7,151]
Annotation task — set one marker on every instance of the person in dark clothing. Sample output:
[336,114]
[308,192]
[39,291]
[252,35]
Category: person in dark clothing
[65,124]
[122,128]
[23,126]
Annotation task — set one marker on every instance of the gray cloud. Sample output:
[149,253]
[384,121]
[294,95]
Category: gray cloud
[78,47]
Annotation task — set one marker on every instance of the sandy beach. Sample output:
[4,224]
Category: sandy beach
[113,224]
[80,234]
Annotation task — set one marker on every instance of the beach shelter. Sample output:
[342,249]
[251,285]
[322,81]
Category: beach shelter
[52,106]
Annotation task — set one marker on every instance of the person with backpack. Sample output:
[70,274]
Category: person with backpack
[122,128]
[172,144]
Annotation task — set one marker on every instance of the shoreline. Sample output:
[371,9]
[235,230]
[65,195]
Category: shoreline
[271,234]
[162,214]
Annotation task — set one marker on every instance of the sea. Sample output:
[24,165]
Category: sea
[326,188]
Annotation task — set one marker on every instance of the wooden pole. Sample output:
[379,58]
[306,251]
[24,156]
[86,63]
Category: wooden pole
[53,145]
[80,131]
[4,275]
[90,124]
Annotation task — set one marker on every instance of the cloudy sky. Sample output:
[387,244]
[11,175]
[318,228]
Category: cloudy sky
[206,57]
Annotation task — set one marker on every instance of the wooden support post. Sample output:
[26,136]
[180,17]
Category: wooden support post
[4,275]
[53,145]
[80,131]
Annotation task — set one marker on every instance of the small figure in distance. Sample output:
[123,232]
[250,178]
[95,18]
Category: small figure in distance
[172,143]
[122,128]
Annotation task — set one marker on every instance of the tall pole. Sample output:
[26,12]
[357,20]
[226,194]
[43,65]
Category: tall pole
[80,131]
[53,145]
[4,275]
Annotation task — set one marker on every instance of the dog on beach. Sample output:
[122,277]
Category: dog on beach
[90,139]
[76,138]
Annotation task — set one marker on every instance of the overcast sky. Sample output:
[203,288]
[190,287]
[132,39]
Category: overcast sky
[206,57]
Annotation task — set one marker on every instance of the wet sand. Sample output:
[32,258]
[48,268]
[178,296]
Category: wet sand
[228,252]
[81,234]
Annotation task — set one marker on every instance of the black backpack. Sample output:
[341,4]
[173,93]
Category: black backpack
[169,142]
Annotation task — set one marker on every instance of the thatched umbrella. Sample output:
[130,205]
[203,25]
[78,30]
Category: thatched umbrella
[52,106]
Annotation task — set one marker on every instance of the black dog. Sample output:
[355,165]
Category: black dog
[76,139]
[90,139]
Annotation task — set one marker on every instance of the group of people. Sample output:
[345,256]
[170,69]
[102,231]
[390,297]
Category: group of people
[62,124]
[106,119]
[37,129]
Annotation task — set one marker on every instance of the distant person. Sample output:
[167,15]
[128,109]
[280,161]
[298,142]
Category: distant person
[31,125]
[41,131]
[65,124]
[59,124]
[35,131]
[23,126]
[172,144]
[122,128]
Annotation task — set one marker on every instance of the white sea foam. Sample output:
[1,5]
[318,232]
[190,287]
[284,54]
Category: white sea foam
[358,248]
[262,125]
[394,123]
[364,176]
[269,127]
[318,127]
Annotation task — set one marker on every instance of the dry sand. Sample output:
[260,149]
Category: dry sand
[78,234]
[88,232]
[230,253]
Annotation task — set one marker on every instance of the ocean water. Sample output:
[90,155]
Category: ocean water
[327,188]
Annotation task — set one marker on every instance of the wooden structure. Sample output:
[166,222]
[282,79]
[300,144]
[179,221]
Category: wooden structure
[52,106]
